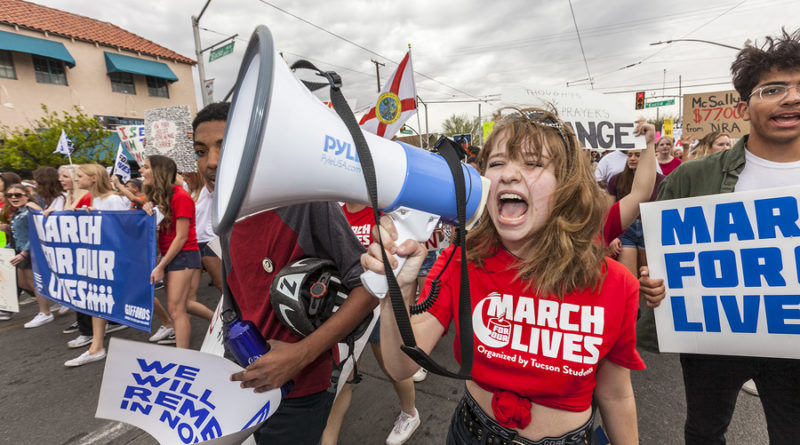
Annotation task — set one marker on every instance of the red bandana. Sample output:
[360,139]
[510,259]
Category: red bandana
[511,410]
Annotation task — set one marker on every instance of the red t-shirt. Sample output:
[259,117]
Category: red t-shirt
[361,222]
[612,227]
[669,166]
[544,349]
[85,201]
[182,207]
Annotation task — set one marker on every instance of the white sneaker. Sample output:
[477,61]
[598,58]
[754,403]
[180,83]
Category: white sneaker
[28,299]
[404,427]
[5,315]
[59,308]
[113,327]
[40,319]
[162,333]
[85,358]
[420,375]
[79,341]
[750,388]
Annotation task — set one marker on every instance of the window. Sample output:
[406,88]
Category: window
[122,83]
[49,70]
[7,66]
[157,87]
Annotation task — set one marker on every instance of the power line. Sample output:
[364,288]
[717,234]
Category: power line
[362,47]
[588,74]
[666,88]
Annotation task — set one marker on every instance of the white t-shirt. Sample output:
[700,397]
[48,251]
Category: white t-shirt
[759,173]
[613,163]
[202,216]
[58,203]
[111,202]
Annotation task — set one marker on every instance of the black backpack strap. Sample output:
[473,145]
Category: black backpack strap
[398,305]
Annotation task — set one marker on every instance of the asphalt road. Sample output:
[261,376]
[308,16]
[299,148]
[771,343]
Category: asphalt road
[43,402]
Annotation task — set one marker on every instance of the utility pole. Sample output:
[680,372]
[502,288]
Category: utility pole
[378,71]
[201,69]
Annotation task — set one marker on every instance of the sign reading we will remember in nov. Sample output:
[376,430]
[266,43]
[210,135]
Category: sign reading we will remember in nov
[179,395]
[731,270]
[96,262]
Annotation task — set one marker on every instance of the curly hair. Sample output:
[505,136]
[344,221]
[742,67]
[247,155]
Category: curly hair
[218,111]
[47,185]
[564,255]
[159,191]
[752,63]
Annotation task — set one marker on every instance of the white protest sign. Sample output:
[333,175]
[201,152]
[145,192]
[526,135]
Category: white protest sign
[8,282]
[599,121]
[166,133]
[121,166]
[730,267]
[213,341]
[132,138]
[180,395]
[358,348]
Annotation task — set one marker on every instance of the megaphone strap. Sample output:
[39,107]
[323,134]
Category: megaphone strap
[398,305]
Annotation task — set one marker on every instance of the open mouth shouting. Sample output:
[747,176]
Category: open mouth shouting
[787,120]
[511,208]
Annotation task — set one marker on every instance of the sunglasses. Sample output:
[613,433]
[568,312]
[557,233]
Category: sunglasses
[15,195]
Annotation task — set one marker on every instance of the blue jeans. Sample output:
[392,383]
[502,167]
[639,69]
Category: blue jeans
[712,384]
[298,421]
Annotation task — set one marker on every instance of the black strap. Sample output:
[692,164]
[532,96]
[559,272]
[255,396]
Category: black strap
[398,305]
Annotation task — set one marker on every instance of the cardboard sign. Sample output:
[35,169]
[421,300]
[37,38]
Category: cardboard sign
[180,396]
[132,138]
[8,282]
[166,132]
[600,121]
[96,262]
[730,267]
[704,113]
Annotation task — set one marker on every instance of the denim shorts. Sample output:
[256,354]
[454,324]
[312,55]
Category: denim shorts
[185,259]
[634,236]
[427,265]
[206,251]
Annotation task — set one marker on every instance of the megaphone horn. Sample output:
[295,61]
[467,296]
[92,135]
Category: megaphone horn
[283,146]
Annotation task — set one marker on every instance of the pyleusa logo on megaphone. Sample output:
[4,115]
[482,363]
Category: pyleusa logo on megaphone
[283,146]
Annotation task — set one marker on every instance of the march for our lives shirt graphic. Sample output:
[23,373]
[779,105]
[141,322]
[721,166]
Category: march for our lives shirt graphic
[730,266]
[96,262]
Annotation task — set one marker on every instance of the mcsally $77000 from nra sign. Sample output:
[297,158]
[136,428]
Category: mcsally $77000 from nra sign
[731,271]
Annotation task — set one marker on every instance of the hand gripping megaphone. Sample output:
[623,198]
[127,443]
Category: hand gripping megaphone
[283,146]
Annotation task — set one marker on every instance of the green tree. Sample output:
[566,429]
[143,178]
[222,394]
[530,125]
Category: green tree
[461,124]
[29,148]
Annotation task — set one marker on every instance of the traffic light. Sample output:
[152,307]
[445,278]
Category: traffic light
[640,100]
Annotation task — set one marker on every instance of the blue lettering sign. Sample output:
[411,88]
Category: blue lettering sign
[691,228]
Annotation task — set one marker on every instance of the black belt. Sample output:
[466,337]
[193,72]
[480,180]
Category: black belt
[480,429]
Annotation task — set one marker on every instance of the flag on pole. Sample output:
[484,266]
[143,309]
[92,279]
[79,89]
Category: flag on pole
[65,146]
[121,166]
[396,103]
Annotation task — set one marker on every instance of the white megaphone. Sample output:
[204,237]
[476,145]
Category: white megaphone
[283,146]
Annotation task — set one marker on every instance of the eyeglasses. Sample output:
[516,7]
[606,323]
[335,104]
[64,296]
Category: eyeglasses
[15,195]
[774,93]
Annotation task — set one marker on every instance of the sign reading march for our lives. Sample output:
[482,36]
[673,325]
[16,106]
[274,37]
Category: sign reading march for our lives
[731,270]
[600,121]
[180,396]
[96,262]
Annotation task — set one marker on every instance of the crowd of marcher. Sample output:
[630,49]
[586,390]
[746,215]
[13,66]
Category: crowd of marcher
[546,295]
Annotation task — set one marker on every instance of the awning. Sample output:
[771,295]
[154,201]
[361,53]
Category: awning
[117,63]
[32,45]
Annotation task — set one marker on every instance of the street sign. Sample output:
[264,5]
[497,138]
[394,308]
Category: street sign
[660,103]
[220,52]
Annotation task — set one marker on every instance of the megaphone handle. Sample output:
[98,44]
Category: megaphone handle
[410,224]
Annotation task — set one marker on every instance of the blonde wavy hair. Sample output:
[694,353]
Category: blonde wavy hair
[102,185]
[565,254]
[162,177]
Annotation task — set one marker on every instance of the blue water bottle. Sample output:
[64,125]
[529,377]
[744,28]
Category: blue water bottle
[246,343]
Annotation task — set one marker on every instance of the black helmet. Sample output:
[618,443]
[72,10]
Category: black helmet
[305,294]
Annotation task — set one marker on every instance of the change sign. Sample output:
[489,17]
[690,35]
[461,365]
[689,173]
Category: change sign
[599,121]
[731,271]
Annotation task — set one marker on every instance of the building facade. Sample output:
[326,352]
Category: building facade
[64,60]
